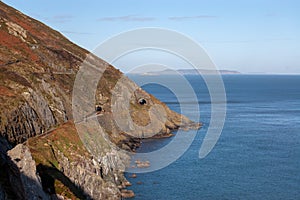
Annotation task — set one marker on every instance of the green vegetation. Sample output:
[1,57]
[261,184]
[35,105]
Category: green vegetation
[44,150]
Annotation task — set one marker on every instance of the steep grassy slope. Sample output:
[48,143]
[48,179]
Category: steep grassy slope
[38,67]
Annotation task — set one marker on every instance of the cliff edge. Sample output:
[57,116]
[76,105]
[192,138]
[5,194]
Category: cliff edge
[41,154]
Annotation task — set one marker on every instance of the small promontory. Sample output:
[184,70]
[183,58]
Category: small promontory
[41,154]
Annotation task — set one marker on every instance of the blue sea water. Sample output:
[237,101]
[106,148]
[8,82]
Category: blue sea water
[257,155]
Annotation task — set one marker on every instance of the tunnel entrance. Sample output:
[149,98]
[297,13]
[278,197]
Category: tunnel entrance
[98,108]
[142,101]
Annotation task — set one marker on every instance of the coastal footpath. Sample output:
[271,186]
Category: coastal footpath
[41,154]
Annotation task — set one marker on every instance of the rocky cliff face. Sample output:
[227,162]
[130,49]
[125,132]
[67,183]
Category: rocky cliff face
[38,67]
[21,157]
[34,98]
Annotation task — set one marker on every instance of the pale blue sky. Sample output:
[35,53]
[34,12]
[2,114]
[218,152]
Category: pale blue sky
[248,36]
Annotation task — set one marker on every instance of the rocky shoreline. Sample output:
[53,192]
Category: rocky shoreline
[42,156]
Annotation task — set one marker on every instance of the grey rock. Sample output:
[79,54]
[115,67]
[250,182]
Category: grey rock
[97,180]
[36,97]
[21,124]
[31,182]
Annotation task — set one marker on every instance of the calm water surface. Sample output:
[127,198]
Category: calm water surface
[257,155]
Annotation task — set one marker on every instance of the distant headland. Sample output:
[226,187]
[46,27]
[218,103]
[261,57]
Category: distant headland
[186,72]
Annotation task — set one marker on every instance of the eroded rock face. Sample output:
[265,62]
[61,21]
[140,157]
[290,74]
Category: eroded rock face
[38,68]
[16,30]
[22,124]
[36,85]
[98,182]
[147,119]
[31,183]
[68,166]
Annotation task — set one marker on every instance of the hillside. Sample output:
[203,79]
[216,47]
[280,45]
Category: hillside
[41,154]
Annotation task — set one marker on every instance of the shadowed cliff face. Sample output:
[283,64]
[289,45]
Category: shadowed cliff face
[38,67]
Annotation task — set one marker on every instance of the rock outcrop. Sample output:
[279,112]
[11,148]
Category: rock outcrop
[21,157]
[38,68]
[64,163]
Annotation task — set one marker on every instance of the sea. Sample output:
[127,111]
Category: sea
[257,155]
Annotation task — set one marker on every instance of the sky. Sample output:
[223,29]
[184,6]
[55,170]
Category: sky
[250,36]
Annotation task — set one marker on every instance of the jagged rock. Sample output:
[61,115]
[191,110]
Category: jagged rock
[127,193]
[133,176]
[31,182]
[142,164]
[38,68]
[10,181]
[22,123]
[16,30]
[86,174]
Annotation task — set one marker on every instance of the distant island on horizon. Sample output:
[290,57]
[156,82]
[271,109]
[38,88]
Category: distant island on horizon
[186,72]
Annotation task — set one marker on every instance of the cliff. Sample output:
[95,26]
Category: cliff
[41,154]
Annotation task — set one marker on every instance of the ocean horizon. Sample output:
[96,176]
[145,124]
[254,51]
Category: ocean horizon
[257,155]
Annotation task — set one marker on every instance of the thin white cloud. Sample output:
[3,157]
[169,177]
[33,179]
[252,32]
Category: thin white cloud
[181,18]
[127,18]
